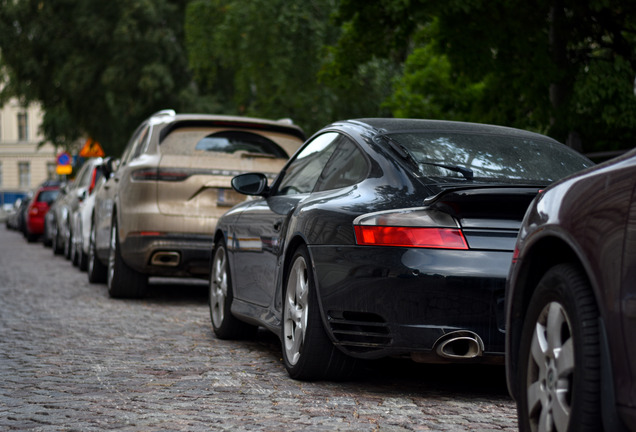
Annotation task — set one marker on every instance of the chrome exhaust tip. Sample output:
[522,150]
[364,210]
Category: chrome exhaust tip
[458,345]
[165,259]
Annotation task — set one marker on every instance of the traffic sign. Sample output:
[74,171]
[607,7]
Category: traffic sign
[91,149]
[64,159]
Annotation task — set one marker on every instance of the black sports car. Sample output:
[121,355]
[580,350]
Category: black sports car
[382,237]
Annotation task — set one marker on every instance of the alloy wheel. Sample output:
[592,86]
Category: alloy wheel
[550,370]
[218,287]
[296,310]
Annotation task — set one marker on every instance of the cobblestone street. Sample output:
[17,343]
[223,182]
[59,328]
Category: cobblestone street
[72,359]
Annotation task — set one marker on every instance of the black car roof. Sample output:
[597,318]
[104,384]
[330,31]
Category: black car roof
[401,124]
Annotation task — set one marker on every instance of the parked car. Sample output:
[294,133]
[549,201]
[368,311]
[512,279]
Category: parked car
[21,213]
[50,227]
[82,216]
[12,216]
[382,237]
[155,216]
[571,304]
[38,208]
[75,193]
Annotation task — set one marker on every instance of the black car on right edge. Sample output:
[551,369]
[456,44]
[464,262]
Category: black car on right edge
[571,304]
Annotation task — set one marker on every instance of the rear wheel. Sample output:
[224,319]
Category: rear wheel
[68,239]
[74,252]
[308,352]
[94,268]
[56,245]
[225,325]
[122,281]
[559,371]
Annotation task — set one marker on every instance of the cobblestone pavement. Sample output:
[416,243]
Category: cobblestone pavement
[72,359]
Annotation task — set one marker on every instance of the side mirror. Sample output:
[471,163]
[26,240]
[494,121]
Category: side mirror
[251,184]
[109,166]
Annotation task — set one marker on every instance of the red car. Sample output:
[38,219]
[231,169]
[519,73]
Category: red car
[37,209]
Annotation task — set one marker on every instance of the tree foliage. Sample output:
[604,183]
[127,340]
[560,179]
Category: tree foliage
[98,68]
[537,65]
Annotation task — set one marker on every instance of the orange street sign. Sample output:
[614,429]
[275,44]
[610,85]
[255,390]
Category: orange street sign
[91,149]
[63,169]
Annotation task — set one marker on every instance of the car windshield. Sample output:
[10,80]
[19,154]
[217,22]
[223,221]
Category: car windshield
[476,156]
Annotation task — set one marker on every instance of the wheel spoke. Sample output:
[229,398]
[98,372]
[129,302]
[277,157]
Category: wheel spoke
[565,360]
[560,413]
[539,346]
[554,325]
[537,397]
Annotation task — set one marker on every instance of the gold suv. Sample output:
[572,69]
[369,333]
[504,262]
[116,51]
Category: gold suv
[156,213]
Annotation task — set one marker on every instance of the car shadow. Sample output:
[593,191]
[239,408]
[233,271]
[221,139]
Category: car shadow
[386,376]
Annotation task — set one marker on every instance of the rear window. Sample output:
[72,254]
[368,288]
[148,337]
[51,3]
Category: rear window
[445,155]
[203,142]
[48,196]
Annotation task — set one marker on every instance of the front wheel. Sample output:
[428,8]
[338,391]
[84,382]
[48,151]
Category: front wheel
[122,281]
[559,371]
[94,268]
[225,325]
[308,352]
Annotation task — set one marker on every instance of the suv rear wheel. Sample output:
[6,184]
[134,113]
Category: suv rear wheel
[122,281]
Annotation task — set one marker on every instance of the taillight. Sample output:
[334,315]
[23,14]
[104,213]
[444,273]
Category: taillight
[515,255]
[418,227]
[161,174]
[93,181]
[33,211]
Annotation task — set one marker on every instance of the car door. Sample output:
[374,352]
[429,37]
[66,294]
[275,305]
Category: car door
[628,296]
[259,233]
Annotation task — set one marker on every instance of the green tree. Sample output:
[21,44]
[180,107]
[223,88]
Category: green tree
[561,67]
[98,68]
[261,57]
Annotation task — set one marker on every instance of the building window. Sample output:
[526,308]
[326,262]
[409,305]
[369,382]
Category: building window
[51,173]
[23,127]
[24,171]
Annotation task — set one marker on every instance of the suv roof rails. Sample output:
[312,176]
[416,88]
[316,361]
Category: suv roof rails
[165,112]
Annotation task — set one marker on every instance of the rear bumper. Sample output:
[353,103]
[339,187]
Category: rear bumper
[35,225]
[168,254]
[380,301]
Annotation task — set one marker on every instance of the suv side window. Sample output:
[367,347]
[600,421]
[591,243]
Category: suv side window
[133,145]
[347,166]
[303,172]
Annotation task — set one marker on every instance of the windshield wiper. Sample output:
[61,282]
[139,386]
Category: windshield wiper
[466,172]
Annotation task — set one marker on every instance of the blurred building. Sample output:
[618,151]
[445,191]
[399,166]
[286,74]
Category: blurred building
[23,164]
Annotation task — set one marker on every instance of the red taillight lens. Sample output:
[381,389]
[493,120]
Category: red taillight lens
[93,181]
[515,255]
[442,238]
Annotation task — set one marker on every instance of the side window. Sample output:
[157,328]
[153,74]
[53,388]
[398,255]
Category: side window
[346,167]
[133,145]
[141,144]
[303,172]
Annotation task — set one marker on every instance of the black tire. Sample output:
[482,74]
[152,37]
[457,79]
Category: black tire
[95,269]
[559,363]
[74,252]
[68,241]
[122,281]
[31,238]
[225,325]
[55,242]
[308,353]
